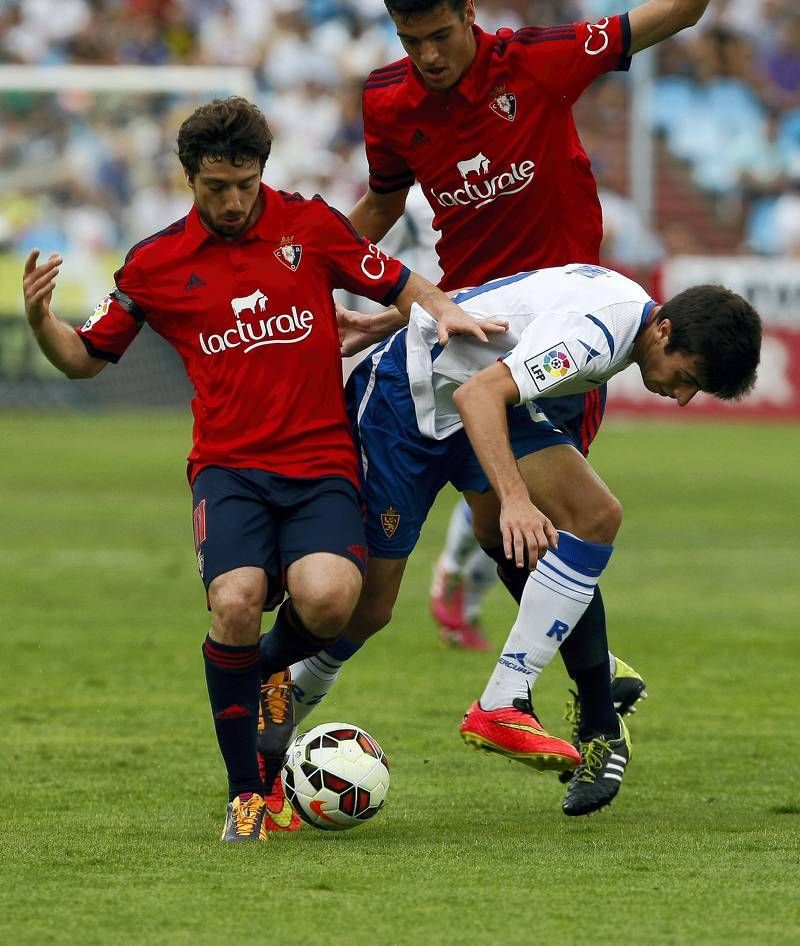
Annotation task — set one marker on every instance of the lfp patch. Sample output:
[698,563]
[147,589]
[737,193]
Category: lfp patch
[551,367]
[100,310]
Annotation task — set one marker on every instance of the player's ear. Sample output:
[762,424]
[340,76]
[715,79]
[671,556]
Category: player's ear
[664,330]
[189,178]
[469,12]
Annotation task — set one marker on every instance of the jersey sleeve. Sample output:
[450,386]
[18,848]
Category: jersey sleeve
[556,349]
[117,318]
[357,265]
[566,59]
[388,171]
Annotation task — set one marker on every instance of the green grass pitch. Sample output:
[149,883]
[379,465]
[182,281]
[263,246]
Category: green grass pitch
[113,791]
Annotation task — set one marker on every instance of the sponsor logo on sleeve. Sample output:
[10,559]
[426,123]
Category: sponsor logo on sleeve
[373,265]
[597,40]
[100,310]
[551,366]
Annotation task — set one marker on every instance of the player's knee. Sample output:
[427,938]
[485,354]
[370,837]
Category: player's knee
[325,609]
[324,617]
[603,521]
[236,613]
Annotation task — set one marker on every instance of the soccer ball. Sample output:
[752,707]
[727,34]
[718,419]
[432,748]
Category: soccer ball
[336,776]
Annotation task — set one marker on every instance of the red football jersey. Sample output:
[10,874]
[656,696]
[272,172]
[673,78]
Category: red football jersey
[498,155]
[255,324]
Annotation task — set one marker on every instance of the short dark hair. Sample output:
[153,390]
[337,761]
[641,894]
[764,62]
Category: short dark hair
[724,330]
[407,9]
[231,129]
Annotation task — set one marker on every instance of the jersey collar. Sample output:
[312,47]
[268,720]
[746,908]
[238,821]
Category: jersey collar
[268,227]
[471,86]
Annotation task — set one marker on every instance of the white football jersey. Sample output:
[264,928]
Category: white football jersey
[570,329]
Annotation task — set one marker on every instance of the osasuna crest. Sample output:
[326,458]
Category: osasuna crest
[505,105]
[289,253]
[390,520]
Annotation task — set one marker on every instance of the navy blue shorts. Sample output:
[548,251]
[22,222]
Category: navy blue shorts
[402,471]
[248,517]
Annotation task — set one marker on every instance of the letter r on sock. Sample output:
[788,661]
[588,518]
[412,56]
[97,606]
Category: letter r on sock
[558,630]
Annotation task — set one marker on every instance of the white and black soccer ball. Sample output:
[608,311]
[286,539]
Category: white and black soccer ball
[336,776]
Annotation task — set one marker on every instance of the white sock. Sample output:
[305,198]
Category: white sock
[460,542]
[612,663]
[313,677]
[480,576]
[555,596]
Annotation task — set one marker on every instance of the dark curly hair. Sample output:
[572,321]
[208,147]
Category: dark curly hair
[724,330]
[407,9]
[231,129]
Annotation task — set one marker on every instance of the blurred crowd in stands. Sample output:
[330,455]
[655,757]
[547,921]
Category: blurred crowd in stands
[93,171]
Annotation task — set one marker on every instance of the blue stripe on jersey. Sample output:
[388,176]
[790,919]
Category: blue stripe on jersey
[606,332]
[488,286]
[386,83]
[177,227]
[342,219]
[648,308]
[399,65]
[535,41]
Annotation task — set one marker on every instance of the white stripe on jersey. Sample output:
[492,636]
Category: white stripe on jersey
[375,358]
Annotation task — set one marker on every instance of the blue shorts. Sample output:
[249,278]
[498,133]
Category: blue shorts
[402,471]
[578,415]
[248,517]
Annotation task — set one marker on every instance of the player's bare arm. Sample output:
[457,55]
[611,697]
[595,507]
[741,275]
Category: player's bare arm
[482,402]
[359,330]
[451,318]
[375,214]
[57,340]
[657,20]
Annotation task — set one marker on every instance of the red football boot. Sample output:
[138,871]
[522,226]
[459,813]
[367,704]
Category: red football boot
[466,636]
[447,598]
[516,733]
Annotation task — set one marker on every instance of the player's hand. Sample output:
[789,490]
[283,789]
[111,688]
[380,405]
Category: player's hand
[527,532]
[455,321]
[359,330]
[38,283]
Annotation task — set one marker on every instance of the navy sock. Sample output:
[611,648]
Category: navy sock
[233,677]
[598,716]
[587,645]
[513,578]
[343,649]
[288,642]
